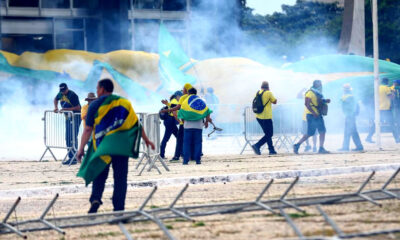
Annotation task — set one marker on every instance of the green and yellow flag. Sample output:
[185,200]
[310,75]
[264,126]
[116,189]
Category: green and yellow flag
[193,108]
[116,131]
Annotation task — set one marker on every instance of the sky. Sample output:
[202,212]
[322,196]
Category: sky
[264,7]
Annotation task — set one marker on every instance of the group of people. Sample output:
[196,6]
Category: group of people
[192,114]
[316,108]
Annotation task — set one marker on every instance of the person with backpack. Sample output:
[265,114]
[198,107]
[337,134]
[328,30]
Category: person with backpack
[263,110]
[350,110]
[316,107]
[169,121]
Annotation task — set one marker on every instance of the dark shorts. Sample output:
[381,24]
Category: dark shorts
[315,123]
[304,130]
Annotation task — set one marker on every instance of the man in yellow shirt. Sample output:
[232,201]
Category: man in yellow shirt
[265,120]
[385,108]
[90,98]
[313,102]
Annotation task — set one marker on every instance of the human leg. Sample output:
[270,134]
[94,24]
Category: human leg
[120,172]
[197,145]
[166,137]
[263,123]
[347,133]
[179,143]
[98,189]
[187,145]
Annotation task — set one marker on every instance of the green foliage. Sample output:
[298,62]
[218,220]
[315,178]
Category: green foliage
[199,224]
[303,24]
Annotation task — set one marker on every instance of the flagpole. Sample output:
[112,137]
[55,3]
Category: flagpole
[376,71]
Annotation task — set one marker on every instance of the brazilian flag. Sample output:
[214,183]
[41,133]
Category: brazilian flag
[116,131]
[193,108]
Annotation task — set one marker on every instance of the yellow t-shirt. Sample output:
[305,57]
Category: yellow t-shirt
[173,102]
[314,102]
[181,100]
[384,99]
[266,97]
[84,111]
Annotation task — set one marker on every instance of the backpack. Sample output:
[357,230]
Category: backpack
[163,115]
[258,106]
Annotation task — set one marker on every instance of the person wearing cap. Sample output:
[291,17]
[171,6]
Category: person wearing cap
[69,101]
[313,102]
[265,120]
[386,95]
[90,98]
[170,123]
[350,110]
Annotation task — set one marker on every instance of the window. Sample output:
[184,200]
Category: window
[55,3]
[24,3]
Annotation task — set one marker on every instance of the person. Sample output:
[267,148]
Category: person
[108,115]
[265,120]
[179,140]
[90,98]
[313,102]
[307,148]
[69,101]
[193,111]
[396,104]
[385,107]
[369,105]
[350,110]
[170,123]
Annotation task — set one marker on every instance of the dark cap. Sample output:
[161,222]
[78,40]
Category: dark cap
[63,87]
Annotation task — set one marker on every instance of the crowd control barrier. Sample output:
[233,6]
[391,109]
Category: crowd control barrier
[61,132]
[151,125]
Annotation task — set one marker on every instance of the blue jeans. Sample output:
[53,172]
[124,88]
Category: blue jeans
[268,129]
[350,130]
[192,145]
[179,143]
[71,134]
[170,129]
[120,170]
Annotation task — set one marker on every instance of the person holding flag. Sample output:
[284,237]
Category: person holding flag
[114,132]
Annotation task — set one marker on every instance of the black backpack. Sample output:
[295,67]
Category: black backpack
[258,106]
[163,115]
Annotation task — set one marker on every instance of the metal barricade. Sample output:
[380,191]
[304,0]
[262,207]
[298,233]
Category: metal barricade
[151,125]
[60,131]
[252,129]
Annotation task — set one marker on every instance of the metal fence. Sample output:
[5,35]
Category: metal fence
[151,125]
[61,131]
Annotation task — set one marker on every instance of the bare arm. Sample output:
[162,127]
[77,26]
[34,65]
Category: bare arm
[146,140]
[308,106]
[55,104]
[76,108]
[274,102]
[176,108]
[84,140]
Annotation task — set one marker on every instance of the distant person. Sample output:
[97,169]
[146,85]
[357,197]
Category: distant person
[69,101]
[396,104]
[265,120]
[369,104]
[314,101]
[350,110]
[385,96]
[90,98]
[113,124]
[170,123]
[301,95]
[196,115]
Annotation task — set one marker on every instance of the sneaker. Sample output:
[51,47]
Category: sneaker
[273,152]
[70,162]
[343,149]
[256,149]
[307,148]
[296,148]
[323,151]
[94,206]
[162,157]
[198,162]
[174,159]
[357,149]
[369,140]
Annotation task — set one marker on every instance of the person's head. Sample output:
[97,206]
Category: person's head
[265,85]
[90,97]
[192,91]
[63,88]
[105,87]
[317,84]
[210,90]
[186,88]
[347,88]
[177,95]
[385,81]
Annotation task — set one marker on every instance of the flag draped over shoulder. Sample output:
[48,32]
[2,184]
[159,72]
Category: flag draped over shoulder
[193,108]
[116,131]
